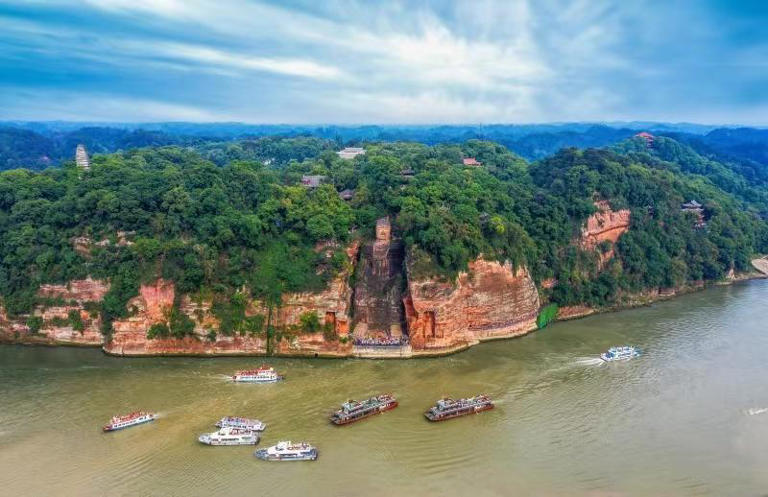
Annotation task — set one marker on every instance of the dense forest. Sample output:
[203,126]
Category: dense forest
[39,145]
[220,217]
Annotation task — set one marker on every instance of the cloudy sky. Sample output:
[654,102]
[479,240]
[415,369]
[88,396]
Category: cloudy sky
[353,61]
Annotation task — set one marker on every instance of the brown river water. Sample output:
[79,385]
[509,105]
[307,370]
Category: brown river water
[687,418]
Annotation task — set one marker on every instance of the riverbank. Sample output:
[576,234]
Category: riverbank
[196,347]
[647,298]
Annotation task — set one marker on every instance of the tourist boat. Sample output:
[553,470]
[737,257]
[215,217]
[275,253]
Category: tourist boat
[132,419]
[263,374]
[353,410]
[288,451]
[230,436]
[241,423]
[620,354]
[448,408]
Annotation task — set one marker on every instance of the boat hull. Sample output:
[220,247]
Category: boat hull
[109,428]
[265,456]
[254,427]
[203,439]
[458,414]
[618,359]
[372,412]
[257,380]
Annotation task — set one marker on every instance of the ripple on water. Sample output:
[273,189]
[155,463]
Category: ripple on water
[683,419]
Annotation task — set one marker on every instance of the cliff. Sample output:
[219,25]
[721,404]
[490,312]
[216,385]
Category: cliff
[605,225]
[63,318]
[155,300]
[378,293]
[151,306]
[491,300]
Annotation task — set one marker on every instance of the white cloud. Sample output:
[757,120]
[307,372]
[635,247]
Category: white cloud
[213,57]
[400,61]
[76,106]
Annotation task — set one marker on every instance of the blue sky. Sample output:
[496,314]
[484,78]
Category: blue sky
[348,61]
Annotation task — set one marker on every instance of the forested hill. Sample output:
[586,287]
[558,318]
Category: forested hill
[39,145]
[239,222]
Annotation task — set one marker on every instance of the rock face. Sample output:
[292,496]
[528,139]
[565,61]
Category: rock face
[574,312]
[492,300]
[378,296]
[154,302]
[87,290]
[761,264]
[58,327]
[604,225]
[129,336]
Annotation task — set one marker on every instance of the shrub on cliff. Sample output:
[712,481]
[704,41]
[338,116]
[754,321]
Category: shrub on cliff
[247,227]
[75,320]
[158,330]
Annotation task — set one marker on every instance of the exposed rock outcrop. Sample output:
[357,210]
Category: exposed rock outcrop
[87,290]
[378,296]
[66,321]
[492,300]
[574,312]
[152,305]
[761,264]
[155,300]
[604,225]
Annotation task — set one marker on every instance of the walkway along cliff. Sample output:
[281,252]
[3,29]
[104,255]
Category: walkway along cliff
[375,307]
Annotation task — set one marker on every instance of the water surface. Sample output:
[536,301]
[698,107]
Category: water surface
[689,417]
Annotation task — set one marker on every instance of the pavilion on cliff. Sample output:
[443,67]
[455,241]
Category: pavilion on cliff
[698,210]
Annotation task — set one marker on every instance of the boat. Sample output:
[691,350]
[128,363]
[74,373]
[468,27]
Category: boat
[128,420]
[448,408]
[241,423]
[623,353]
[230,436]
[288,451]
[262,374]
[353,410]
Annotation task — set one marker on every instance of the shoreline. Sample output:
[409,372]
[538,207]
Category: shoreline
[640,301]
[633,302]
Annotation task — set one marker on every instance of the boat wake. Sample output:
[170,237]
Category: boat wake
[589,361]
[755,411]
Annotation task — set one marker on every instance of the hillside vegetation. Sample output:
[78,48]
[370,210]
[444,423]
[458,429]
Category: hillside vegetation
[218,220]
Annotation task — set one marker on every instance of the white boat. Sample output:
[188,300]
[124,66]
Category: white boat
[241,423]
[288,451]
[623,353]
[132,419]
[230,436]
[260,375]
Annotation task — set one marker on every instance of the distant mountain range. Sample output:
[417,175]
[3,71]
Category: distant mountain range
[37,145]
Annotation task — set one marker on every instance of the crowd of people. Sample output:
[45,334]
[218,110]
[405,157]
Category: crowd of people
[382,342]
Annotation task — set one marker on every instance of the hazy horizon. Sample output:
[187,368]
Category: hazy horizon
[614,124]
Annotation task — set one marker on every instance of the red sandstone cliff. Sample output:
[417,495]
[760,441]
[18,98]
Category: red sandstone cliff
[492,300]
[604,225]
[57,328]
[152,305]
[154,301]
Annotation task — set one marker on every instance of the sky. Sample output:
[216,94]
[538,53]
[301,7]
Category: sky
[389,62]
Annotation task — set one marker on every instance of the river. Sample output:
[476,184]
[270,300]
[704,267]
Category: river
[689,417]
